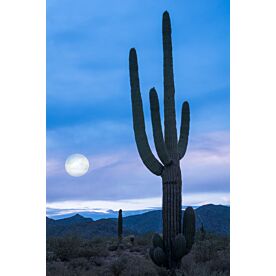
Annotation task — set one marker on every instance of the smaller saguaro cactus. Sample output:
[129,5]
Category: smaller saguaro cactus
[202,232]
[181,245]
[120,226]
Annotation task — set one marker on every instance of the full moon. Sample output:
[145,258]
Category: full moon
[76,165]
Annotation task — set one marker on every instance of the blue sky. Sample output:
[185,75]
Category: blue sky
[89,108]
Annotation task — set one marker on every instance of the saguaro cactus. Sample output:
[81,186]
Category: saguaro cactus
[202,232]
[120,226]
[169,148]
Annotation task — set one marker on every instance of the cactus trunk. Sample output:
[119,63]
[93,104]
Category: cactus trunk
[171,209]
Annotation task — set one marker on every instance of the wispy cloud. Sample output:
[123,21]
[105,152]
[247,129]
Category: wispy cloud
[104,206]
[120,175]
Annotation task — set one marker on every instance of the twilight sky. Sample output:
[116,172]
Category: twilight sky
[89,108]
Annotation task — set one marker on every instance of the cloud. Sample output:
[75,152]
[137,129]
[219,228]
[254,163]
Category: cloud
[120,174]
[105,206]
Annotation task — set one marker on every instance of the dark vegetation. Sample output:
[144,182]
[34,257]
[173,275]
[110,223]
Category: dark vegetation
[69,252]
[74,256]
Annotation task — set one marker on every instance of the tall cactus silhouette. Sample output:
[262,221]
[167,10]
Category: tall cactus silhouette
[120,226]
[169,148]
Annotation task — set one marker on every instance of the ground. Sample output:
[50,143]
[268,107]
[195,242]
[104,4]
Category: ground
[71,256]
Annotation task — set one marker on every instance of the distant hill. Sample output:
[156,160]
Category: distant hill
[98,215]
[81,226]
[215,218]
[147,222]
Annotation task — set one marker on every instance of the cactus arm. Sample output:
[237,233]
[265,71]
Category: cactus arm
[184,130]
[169,91]
[138,119]
[157,129]
[189,227]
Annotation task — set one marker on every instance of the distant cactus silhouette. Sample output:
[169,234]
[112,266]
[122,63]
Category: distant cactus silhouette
[170,151]
[202,232]
[120,226]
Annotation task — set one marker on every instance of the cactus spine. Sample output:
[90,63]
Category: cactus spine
[120,226]
[170,150]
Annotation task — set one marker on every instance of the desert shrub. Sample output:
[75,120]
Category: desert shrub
[65,248]
[66,269]
[55,268]
[144,240]
[144,269]
[50,256]
[117,266]
[186,263]
[132,265]
[222,262]
[199,270]
[204,251]
[137,249]
[98,250]
[161,271]
[137,265]
[209,257]
[132,239]
[86,252]
[97,261]
[113,247]
[97,240]
[216,251]
[79,263]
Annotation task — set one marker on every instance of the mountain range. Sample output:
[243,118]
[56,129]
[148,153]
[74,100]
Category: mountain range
[215,218]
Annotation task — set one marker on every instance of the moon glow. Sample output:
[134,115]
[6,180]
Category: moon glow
[76,165]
